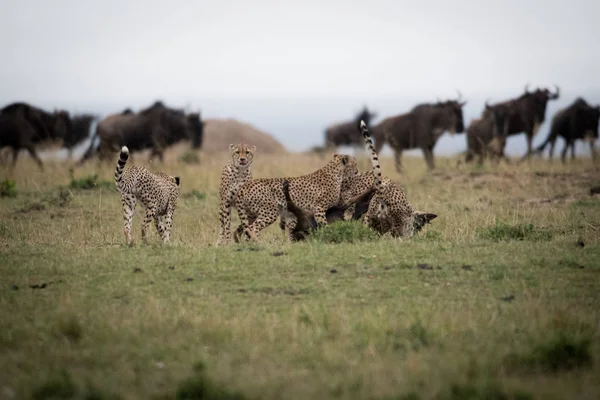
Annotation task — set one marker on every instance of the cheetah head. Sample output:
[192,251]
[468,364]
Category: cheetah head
[242,154]
[349,163]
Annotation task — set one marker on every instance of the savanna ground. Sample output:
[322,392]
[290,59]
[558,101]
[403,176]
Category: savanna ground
[498,298]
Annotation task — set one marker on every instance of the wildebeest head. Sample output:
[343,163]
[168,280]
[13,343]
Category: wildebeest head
[500,115]
[366,115]
[540,98]
[195,129]
[454,114]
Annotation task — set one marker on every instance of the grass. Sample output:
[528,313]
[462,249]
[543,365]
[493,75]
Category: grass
[497,298]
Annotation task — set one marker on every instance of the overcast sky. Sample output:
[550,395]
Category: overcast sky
[322,58]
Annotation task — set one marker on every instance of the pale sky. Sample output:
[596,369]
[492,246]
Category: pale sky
[324,59]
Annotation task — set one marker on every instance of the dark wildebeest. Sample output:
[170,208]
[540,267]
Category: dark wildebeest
[80,130]
[155,128]
[487,135]
[528,112]
[421,127]
[23,126]
[344,134]
[577,121]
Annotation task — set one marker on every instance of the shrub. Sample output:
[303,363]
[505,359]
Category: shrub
[502,231]
[344,232]
[8,188]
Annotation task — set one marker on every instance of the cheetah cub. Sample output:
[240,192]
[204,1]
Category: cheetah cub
[157,191]
[234,174]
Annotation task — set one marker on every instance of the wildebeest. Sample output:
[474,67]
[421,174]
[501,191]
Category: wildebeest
[155,128]
[421,127]
[487,135]
[344,134]
[528,112]
[577,121]
[23,126]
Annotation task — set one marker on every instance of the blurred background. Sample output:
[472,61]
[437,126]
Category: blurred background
[292,68]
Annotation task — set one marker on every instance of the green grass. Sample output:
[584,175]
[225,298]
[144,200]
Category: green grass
[470,308]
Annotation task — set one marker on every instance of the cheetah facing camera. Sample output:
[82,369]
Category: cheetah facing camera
[259,201]
[306,222]
[157,191]
[234,174]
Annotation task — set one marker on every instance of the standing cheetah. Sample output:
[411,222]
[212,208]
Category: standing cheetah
[234,174]
[157,191]
[259,201]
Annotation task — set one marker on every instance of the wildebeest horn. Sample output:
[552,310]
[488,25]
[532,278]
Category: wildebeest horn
[556,94]
[459,95]
[527,88]
[487,103]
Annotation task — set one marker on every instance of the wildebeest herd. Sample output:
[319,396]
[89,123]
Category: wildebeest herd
[26,127]
[422,126]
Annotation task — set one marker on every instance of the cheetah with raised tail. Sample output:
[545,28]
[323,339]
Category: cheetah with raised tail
[234,174]
[157,191]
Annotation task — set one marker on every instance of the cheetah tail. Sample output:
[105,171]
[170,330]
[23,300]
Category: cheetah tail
[121,165]
[374,159]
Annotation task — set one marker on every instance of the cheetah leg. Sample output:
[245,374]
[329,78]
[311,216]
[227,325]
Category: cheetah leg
[320,217]
[244,222]
[165,223]
[225,220]
[260,223]
[150,213]
[128,202]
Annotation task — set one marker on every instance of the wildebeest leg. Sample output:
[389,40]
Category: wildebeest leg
[593,151]
[563,155]
[428,153]
[573,150]
[31,149]
[552,144]
[15,156]
[398,159]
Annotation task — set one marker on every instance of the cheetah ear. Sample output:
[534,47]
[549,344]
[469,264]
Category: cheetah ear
[253,149]
[231,147]
[177,180]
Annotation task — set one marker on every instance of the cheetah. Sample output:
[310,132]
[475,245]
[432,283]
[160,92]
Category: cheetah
[259,201]
[389,210]
[157,191]
[234,174]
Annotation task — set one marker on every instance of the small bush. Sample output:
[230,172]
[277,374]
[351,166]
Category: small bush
[560,353]
[58,388]
[502,231]
[190,157]
[201,387]
[486,391]
[8,188]
[90,182]
[344,232]
[61,199]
